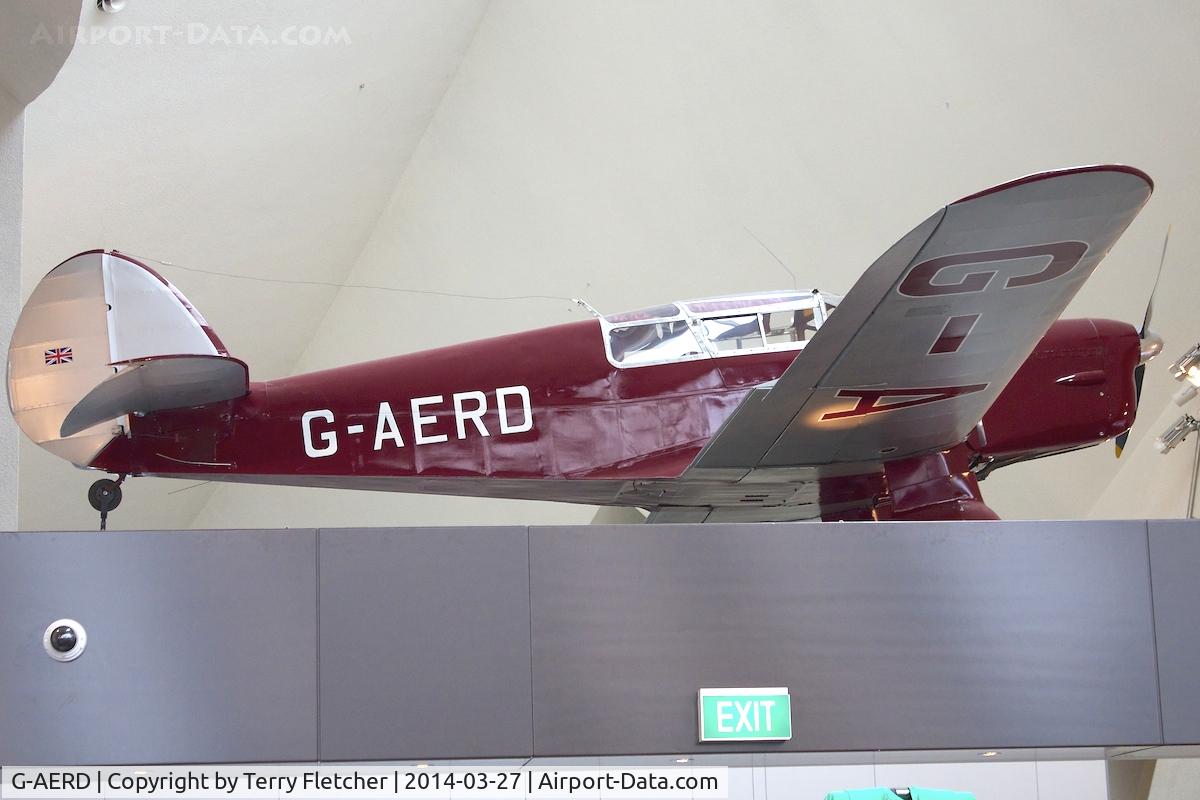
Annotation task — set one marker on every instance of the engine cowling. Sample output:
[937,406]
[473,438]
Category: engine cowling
[1075,390]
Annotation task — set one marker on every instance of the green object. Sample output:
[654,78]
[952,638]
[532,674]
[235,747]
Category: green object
[914,793]
[745,715]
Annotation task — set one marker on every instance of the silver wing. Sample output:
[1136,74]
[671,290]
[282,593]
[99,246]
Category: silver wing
[931,333]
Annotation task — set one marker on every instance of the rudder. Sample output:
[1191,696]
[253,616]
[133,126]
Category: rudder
[87,320]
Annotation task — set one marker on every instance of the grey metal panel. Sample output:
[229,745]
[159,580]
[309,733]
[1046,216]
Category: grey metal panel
[1175,570]
[425,643]
[201,647]
[890,635]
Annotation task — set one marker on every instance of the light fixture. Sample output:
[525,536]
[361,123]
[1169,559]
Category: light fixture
[683,760]
[1187,369]
[990,753]
[422,765]
[1174,435]
[111,6]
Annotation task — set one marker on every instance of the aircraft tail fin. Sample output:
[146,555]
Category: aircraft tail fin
[96,341]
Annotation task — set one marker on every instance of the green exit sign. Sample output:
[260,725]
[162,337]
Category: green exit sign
[745,715]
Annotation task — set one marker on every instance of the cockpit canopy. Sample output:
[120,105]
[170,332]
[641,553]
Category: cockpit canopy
[719,326]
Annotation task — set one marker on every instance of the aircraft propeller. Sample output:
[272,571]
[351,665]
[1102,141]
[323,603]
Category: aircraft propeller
[1152,344]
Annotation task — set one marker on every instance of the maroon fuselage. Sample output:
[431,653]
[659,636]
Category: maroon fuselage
[591,427]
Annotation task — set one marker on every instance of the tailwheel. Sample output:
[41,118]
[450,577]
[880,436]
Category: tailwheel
[105,495]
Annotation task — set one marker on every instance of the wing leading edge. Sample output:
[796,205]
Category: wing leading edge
[935,328]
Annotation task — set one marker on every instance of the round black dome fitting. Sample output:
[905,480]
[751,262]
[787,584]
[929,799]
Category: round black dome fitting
[63,638]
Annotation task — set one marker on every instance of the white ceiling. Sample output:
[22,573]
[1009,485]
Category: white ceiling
[629,152]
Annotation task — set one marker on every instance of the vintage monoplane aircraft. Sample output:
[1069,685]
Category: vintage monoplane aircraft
[946,360]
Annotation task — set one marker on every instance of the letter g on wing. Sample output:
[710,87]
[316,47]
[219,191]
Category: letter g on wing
[919,282]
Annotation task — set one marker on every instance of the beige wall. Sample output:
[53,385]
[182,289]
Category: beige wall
[28,63]
[626,152]
[12,137]
[1175,779]
[631,153]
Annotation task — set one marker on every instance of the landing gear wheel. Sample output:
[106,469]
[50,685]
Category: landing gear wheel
[105,495]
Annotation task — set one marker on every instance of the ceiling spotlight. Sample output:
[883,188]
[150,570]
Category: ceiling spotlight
[682,760]
[111,6]
[422,765]
[1175,434]
[1187,369]
[990,753]
[1185,363]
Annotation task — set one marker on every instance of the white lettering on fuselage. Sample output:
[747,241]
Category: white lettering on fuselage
[329,437]
[506,425]
[514,414]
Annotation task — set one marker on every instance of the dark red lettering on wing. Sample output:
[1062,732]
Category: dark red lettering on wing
[868,399]
[954,334]
[920,280]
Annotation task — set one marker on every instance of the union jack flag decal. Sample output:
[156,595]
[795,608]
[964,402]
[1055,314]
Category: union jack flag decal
[59,355]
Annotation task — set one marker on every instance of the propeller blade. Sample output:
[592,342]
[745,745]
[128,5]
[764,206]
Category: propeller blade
[1162,259]
[1139,372]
